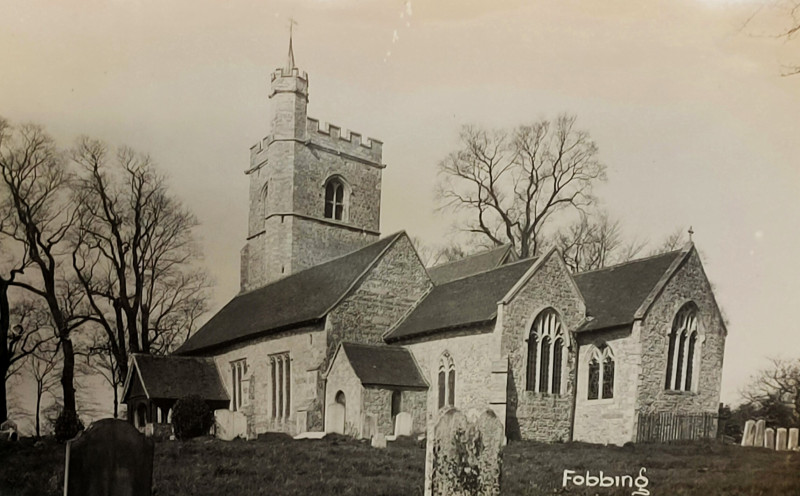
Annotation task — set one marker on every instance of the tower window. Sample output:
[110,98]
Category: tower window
[335,199]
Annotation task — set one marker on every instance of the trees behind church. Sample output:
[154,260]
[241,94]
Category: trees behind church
[98,241]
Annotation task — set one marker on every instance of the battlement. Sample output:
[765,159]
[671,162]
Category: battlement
[294,72]
[344,141]
[258,152]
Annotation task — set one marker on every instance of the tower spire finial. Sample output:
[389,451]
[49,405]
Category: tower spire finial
[691,232]
[290,59]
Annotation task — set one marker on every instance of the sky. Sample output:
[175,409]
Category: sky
[685,99]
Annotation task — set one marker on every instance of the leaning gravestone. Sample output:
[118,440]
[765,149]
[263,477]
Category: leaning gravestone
[769,438]
[748,436]
[759,439]
[465,456]
[111,458]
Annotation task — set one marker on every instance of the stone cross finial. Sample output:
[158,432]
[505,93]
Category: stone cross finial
[290,58]
[691,232]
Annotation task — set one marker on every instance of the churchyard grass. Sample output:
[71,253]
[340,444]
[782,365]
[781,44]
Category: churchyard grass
[277,465]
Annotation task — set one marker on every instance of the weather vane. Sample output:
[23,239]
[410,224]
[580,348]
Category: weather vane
[691,232]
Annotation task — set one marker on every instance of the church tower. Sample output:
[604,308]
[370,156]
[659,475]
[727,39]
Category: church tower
[315,189]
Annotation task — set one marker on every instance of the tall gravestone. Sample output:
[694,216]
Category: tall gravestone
[780,439]
[769,438]
[748,436]
[403,424]
[761,425]
[466,459]
[111,458]
[793,441]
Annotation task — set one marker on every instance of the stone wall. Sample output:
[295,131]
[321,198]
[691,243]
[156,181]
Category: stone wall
[608,420]
[415,403]
[378,403]
[688,284]
[533,415]
[342,378]
[385,294]
[306,348]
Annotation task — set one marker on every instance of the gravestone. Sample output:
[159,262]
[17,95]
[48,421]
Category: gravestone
[110,458]
[334,418]
[230,425]
[465,456]
[769,438]
[370,426]
[378,440]
[748,436]
[8,430]
[759,438]
[793,432]
[403,424]
[780,439]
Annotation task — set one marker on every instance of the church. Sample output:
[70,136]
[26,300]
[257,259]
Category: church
[340,329]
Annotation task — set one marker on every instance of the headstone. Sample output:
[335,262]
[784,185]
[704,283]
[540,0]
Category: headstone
[110,458]
[759,437]
[230,425]
[378,440]
[769,438]
[793,441]
[465,456]
[780,439]
[403,424]
[748,436]
[334,418]
[370,426]
[8,430]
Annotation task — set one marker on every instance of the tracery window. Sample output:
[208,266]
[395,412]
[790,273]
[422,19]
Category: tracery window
[546,354]
[447,381]
[682,350]
[281,384]
[238,392]
[335,199]
[601,374]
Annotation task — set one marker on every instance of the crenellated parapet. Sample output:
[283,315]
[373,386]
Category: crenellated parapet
[294,72]
[258,152]
[343,141]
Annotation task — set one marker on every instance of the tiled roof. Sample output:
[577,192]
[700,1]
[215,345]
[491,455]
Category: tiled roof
[471,265]
[614,294]
[462,302]
[381,365]
[303,297]
[173,377]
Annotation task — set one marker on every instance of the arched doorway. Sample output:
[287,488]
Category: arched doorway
[335,414]
[141,416]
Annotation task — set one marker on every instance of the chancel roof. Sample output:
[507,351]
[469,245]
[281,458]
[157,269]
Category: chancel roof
[382,365]
[173,377]
[303,297]
[614,294]
[470,265]
[462,302]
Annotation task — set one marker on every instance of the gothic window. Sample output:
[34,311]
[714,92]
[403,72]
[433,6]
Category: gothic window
[335,199]
[546,354]
[281,385]
[238,393]
[601,374]
[682,350]
[447,381]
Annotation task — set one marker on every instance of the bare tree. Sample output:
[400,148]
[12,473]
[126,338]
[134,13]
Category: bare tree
[43,367]
[789,12]
[35,182]
[135,256]
[512,183]
[775,391]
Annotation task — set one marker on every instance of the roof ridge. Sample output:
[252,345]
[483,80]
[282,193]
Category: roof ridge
[505,265]
[473,255]
[637,260]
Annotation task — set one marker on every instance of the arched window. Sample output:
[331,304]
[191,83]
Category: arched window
[601,374]
[447,381]
[335,199]
[141,415]
[340,398]
[546,353]
[682,350]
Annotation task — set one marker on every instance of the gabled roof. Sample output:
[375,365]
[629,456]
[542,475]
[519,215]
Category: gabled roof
[471,265]
[466,301]
[613,295]
[304,297]
[382,365]
[173,377]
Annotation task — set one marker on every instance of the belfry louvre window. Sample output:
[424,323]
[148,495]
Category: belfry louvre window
[601,374]
[281,385]
[447,381]
[546,354]
[682,350]
[238,393]
[334,199]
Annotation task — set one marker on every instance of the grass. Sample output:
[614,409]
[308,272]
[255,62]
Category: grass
[277,465]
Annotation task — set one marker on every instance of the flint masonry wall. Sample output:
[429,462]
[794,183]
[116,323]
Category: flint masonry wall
[533,415]
[608,420]
[386,293]
[306,348]
[689,283]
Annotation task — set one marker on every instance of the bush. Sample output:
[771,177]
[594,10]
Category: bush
[67,426]
[191,417]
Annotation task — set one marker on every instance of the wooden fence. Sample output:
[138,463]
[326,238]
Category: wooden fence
[662,427]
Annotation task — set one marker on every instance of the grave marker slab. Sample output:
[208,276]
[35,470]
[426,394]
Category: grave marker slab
[748,436]
[378,440]
[793,434]
[370,426]
[111,458]
[403,424]
[780,439]
[334,418]
[769,438]
[759,437]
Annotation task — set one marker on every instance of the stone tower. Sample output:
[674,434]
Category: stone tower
[315,190]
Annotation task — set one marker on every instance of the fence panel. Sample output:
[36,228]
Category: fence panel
[663,427]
